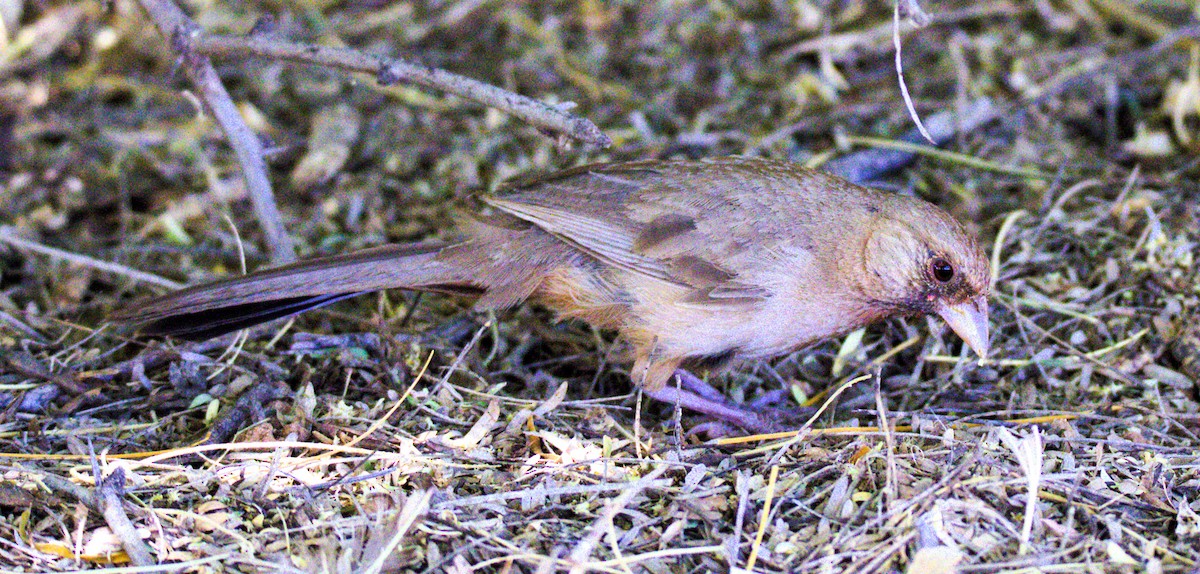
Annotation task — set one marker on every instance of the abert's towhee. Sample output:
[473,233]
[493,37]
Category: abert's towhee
[690,261]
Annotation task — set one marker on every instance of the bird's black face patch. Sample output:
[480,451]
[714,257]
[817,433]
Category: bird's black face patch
[918,259]
[942,278]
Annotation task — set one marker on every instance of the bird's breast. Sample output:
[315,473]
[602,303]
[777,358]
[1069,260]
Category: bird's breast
[798,310]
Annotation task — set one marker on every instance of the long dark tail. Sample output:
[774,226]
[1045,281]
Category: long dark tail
[213,309]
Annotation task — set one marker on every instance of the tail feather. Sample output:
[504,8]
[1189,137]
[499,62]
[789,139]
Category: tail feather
[500,264]
[202,325]
[213,309]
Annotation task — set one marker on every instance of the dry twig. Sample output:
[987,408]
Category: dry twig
[389,71]
[181,30]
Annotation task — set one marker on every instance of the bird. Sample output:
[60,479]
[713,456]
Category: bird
[694,263]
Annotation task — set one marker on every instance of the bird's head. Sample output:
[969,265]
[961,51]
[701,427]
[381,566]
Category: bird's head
[919,260]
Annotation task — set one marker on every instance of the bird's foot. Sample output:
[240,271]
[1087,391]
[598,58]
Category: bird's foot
[696,395]
[771,399]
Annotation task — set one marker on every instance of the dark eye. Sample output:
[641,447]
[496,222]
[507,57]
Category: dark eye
[943,271]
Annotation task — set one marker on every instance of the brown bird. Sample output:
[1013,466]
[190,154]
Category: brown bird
[692,262]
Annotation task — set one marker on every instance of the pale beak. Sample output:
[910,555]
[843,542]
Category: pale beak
[970,320]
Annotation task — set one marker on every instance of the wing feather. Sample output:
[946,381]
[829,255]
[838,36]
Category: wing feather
[656,220]
[601,239]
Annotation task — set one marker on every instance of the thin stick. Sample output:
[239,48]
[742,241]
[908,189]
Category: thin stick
[908,103]
[20,327]
[949,156]
[473,501]
[388,71]
[109,497]
[416,506]
[182,32]
[9,236]
[604,524]
[890,490]
[762,519]
[998,245]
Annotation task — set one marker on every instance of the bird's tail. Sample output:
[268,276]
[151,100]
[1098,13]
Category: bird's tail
[213,309]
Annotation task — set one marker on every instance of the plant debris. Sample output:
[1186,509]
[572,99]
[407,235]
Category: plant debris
[405,433]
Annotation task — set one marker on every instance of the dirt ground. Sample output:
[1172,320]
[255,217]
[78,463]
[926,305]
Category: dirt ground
[405,433]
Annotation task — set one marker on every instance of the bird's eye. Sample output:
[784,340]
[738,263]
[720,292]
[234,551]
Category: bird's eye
[943,271]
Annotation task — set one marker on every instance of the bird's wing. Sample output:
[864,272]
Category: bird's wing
[587,207]
[686,223]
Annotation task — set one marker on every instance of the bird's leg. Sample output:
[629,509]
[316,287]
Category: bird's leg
[759,416]
[699,386]
[743,418]
[696,395]
[767,400]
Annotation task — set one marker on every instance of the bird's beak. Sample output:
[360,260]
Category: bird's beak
[970,320]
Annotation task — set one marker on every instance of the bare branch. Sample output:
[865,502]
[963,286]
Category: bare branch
[8,236]
[388,71]
[110,495]
[177,27]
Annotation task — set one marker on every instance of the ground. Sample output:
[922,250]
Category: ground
[402,433]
